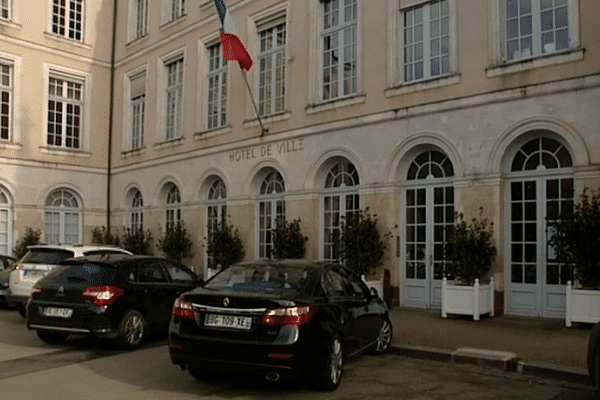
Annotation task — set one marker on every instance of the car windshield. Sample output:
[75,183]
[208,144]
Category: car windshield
[259,278]
[90,273]
[46,256]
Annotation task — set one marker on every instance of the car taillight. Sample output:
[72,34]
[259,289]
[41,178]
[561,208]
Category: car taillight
[288,315]
[183,309]
[37,288]
[15,267]
[103,295]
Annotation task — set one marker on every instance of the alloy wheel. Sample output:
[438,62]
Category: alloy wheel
[384,339]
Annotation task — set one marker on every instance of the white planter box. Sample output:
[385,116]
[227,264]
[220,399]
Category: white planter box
[582,305]
[468,300]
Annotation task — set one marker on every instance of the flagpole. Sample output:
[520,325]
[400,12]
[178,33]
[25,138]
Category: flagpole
[263,129]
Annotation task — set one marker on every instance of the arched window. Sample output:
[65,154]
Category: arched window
[136,215]
[62,218]
[216,213]
[340,200]
[271,209]
[172,210]
[5,223]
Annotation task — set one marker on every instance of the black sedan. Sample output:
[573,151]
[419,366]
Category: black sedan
[115,296]
[279,318]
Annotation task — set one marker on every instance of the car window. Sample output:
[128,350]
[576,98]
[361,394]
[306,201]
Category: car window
[178,273]
[103,252]
[259,278]
[334,284]
[151,272]
[46,256]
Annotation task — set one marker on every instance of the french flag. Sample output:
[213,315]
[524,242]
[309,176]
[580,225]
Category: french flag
[232,45]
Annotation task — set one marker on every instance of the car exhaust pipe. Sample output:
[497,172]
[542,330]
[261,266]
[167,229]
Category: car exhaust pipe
[272,376]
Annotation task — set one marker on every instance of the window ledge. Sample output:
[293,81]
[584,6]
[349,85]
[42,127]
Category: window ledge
[532,63]
[268,119]
[133,153]
[423,85]
[10,145]
[169,143]
[59,151]
[173,22]
[138,40]
[10,23]
[64,39]
[212,132]
[336,103]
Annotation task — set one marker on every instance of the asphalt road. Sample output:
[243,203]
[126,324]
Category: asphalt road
[91,369]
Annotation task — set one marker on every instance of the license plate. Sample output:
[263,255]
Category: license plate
[227,321]
[58,312]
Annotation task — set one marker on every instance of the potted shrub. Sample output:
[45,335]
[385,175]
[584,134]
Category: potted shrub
[576,241]
[361,247]
[288,241]
[470,253]
[31,237]
[224,246]
[176,243]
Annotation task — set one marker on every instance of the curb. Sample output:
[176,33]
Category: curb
[502,360]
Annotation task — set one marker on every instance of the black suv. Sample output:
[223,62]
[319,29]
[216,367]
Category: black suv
[113,295]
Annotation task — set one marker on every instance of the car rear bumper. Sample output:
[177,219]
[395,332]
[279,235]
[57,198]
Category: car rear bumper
[83,322]
[12,298]
[240,356]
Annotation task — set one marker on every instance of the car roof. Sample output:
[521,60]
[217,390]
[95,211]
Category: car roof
[112,259]
[77,248]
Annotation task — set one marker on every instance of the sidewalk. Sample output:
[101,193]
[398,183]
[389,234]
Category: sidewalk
[534,346]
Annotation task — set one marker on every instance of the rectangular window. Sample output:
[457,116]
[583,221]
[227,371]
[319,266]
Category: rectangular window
[141,18]
[271,60]
[5,9]
[67,17]
[339,75]
[5,100]
[174,98]
[65,106]
[177,9]
[138,111]
[4,230]
[271,212]
[427,41]
[536,28]
[217,87]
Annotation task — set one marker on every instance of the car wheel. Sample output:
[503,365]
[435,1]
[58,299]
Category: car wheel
[331,373]
[203,374]
[131,330]
[22,311]
[384,339]
[596,372]
[52,337]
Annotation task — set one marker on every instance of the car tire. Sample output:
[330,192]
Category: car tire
[52,337]
[331,372]
[384,338]
[132,330]
[22,310]
[593,357]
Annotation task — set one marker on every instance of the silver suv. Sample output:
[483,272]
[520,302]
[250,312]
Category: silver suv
[39,261]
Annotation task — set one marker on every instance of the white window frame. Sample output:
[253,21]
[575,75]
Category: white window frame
[271,210]
[6,219]
[15,101]
[6,13]
[59,214]
[68,33]
[161,100]
[138,19]
[174,99]
[136,211]
[498,60]
[217,109]
[216,213]
[66,84]
[272,69]
[172,207]
[172,10]
[6,100]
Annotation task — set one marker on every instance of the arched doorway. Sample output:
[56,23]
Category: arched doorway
[428,211]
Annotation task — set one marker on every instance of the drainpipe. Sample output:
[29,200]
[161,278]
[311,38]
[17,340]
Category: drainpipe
[110,115]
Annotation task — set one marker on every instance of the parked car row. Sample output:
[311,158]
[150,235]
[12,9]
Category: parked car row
[273,318]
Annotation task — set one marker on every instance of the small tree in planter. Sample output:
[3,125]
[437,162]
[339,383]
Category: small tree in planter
[101,235]
[225,246]
[137,241]
[469,248]
[288,241]
[31,237]
[361,247]
[576,239]
[470,251]
[176,243]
